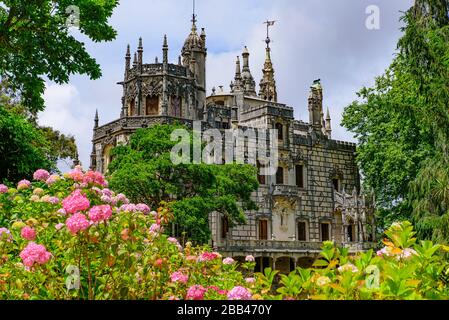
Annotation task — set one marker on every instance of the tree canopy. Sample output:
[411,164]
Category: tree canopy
[144,171]
[402,124]
[35,41]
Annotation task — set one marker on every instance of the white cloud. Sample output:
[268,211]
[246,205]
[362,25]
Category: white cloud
[312,39]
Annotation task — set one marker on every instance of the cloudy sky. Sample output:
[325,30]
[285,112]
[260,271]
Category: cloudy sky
[312,39]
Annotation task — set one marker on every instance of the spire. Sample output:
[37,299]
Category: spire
[165,50]
[194,18]
[237,85]
[179,61]
[249,85]
[140,53]
[96,119]
[267,84]
[127,61]
[328,124]
[135,60]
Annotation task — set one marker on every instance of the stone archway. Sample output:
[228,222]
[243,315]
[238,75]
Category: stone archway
[285,265]
[107,158]
[262,263]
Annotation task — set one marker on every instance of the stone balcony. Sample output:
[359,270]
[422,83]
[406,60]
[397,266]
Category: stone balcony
[273,246]
[285,190]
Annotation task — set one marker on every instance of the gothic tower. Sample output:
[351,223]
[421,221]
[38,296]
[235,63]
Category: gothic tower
[194,53]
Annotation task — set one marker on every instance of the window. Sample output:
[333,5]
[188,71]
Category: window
[260,177]
[263,230]
[336,184]
[280,175]
[351,233]
[132,107]
[302,232]
[224,227]
[152,105]
[300,176]
[280,128]
[325,234]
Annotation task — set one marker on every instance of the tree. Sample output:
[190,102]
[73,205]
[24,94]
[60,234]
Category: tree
[25,145]
[35,41]
[144,171]
[402,124]
[23,148]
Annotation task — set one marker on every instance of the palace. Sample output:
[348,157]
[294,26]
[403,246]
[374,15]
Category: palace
[303,204]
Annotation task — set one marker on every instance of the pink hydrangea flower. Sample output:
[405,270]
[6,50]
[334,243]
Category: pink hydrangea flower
[59,226]
[23,184]
[28,233]
[76,223]
[34,253]
[5,234]
[122,198]
[95,178]
[62,212]
[196,292]
[250,258]
[76,174]
[53,200]
[208,256]
[179,277]
[228,260]
[100,213]
[3,188]
[156,228]
[75,202]
[106,199]
[107,192]
[250,280]
[239,293]
[41,175]
[51,180]
[143,208]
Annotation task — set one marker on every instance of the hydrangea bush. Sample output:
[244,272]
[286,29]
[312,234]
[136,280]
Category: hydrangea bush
[71,237]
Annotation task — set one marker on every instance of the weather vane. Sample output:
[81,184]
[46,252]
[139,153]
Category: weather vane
[194,15]
[269,24]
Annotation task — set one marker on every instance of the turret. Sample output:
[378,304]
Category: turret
[237,85]
[165,51]
[96,119]
[328,124]
[249,85]
[316,106]
[140,54]
[127,61]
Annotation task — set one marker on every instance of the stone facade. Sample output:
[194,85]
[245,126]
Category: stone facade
[303,204]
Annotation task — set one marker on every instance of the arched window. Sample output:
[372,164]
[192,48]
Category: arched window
[132,107]
[280,176]
[152,105]
[280,128]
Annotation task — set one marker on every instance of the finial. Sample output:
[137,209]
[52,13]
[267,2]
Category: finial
[96,119]
[213,91]
[245,50]
[165,41]
[269,24]
[328,116]
[135,58]
[179,61]
[156,60]
[193,16]
[140,43]
[128,52]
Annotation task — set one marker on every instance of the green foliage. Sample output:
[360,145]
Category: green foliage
[35,41]
[402,270]
[144,171]
[402,125]
[23,148]
[46,145]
